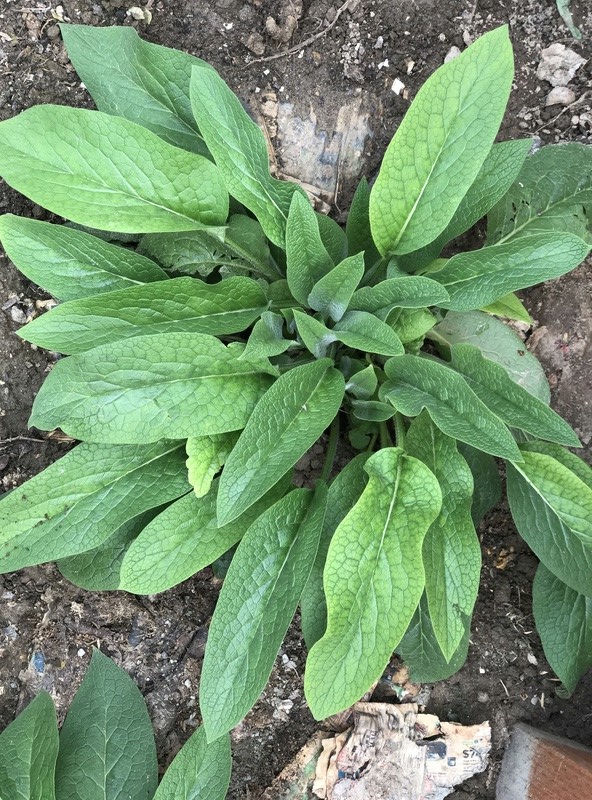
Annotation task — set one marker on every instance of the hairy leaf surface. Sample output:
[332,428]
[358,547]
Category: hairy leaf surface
[411,291]
[199,771]
[332,293]
[307,259]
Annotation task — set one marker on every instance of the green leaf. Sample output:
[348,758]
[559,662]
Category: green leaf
[169,385]
[550,505]
[357,228]
[479,277]
[332,293]
[78,502]
[69,263]
[184,539]
[108,173]
[288,420]
[107,749]
[364,331]
[565,457]
[179,305]
[372,410]
[98,570]
[553,192]
[513,404]
[498,343]
[307,259]
[333,237]
[258,600]
[344,492]
[487,490]
[411,291]
[267,337]
[205,456]
[421,653]
[510,307]
[417,383]
[138,80]
[240,151]
[199,771]
[373,580]
[362,384]
[564,622]
[28,752]
[451,549]
[450,126]
[499,171]
[411,324]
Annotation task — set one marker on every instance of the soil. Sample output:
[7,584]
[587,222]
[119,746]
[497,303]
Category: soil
[337,92]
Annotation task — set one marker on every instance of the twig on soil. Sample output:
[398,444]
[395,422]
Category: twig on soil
[298,47]
[563,110]
[20,439]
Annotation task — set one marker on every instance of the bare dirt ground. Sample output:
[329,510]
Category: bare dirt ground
[335,90]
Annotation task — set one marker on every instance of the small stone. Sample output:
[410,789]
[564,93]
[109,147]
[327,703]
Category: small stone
[453,53]
[17,315]
[81,652]
[398,86]
[53,32]
[483,697]
[256,44]
[560,96]
[558,64]
[379,43]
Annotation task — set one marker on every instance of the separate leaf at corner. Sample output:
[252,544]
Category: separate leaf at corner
[28,753]
[258,600]
[451,549]
[416,383]
[421,652]
[148,388]
[78,502]
[141,81]
[552,508]
[307,259]
[343,494]
[373,580]
[69,263]
[511,307]
[240,151]
[288,420]
[107,748]
[199,770]
[332,293]
[205,456]
[564,622]
[108,173]
[513,404]
[458,111]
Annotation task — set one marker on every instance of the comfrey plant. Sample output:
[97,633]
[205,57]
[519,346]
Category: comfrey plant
[208,340]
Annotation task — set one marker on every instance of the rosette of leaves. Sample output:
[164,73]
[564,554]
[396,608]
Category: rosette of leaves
[105,749]
[218,340]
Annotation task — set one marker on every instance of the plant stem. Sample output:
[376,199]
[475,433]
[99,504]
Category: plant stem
[400,429]
[331,449]
[385,437]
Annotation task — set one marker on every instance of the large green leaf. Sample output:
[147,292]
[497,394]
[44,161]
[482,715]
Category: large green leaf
[421,652]
[108,173]
[267,337]
[184,539]
[451,550]
[240,151]
[552,192]
[332,293]
[138,80]
[107,749]
[479,277]
[199,771]
[288,420]
[357,228]
[416,383]
[83,498]
[258,600]
[71,264]
[411,324]
[179,305]
[333,237]
[307,259]
[449,129]
[373,580]
[564,622]
[499,171]
[170,385]
[487,484]
[98,570]
[551,506]
[513,404]
[28,753]
[357,329]
[410,291]
[343,494]
[498,343]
